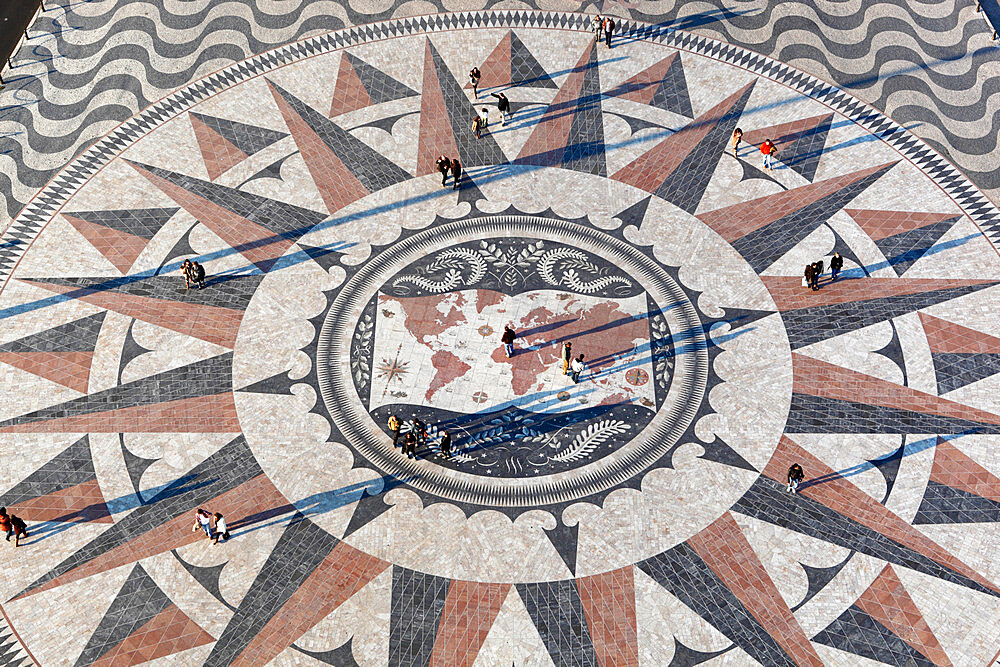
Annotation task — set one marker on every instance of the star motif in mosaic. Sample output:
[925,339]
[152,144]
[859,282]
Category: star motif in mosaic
[634,514]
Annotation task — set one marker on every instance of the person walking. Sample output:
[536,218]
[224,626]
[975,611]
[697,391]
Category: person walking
[735,141]
[410,444]
[819,272]
[836,264]
[770,151]
[795,477]
[445,443]
[474,77]
[578,367]
[444,166]
[567,356]
[484,113]
[186,270]
[816,270]
[198,274]
[477,126]
[456,172]
[394,429]
[203,520]
[19,528]
[503,106]
[420,430]
[808,276]
[5,523]
[598,24]
[609,27]
[220,529]
[508,340]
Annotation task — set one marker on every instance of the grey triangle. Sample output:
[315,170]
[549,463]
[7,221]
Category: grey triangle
[380,86]
[634,214]
[565,540]
[856,632]
[955,370]
[72,466]
[76,336]
[804,153]
[672,93]
[248,138]
[905,248]
[326,257]
[142,222]
[342,656]
[374,171]
[279,384]
[207,576]
[371,505]
[525,70]
[720,452]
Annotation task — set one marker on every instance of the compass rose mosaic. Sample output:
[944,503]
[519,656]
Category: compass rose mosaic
[635,515]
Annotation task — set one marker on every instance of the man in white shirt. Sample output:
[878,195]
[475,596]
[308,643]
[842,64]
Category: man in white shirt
[577,367]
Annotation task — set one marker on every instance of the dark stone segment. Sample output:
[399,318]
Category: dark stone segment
[584,150]
[856,632]
[565,539]
[473,152]
[525,70]
[417,604]
[139,601]
[231,466]
[233,292]
[682,572]
[284,220]
[73,466]
[208,577]
[248,138]
[955,369]
[380,86]
[202,378]
[141,222]
[806,326]
[817,414]
[342,656]
[76,336]
[804,153]
[672,93]
[688,657]
[944,504]
[557,612]
[327,258]
[903,249]
[301,548]
[817,578]
[888,466]
[720,451]
[686,184]
[762,247]
[767,500]
[374,171]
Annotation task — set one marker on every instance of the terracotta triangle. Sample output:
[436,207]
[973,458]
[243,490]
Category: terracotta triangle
[609,605]
[948,337]
[820,378]
[470,610]
[495,70]
[436,137]
[954,468]
[120,248]
[169,632]
[70,369]
[887,601]
[826,486]
[219,154]
[882,224]
[349,93]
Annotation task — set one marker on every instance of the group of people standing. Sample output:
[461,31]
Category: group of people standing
[813,271]
[481,121]
[194,273]
[416,434]
[214,525]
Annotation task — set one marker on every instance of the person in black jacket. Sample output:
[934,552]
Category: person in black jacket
[508,340]
[836,264]
[443,165]
[456,172]
[198,274]
[795,477]
[503,105]
[609,27]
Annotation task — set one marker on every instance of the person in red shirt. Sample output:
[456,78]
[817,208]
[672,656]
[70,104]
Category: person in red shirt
[770,151]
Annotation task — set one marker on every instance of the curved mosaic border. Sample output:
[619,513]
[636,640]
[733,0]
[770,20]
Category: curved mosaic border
[40,210]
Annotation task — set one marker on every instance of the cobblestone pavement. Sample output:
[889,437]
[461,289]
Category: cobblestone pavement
[636,517]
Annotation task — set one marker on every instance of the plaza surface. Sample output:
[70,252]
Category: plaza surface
[638,517]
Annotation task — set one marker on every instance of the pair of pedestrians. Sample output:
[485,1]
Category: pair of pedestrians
[446,165]
[214,525]
[604,27]
[194,273]
[13,526]
[572,367]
